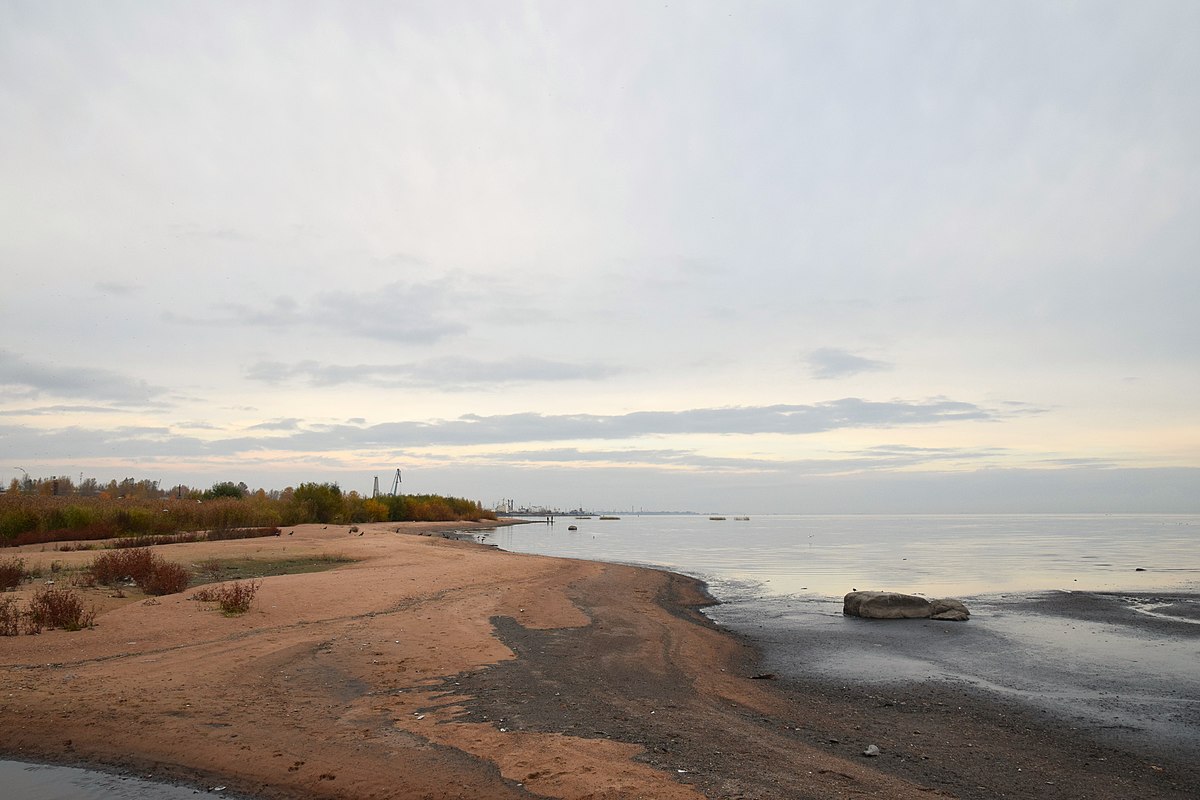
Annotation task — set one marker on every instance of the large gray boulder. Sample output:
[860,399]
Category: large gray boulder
[947,608]
[893,605]
[885,605]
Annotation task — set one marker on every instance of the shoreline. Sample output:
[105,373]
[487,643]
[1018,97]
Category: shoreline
[436,668]
[1075,687]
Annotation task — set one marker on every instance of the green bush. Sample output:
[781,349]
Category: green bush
[78,516]
[226,489]
[15,521]
[318,502]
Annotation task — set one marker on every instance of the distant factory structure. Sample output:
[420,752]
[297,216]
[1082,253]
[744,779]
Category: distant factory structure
[509,507]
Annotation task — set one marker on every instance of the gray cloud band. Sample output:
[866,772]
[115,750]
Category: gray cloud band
[501,429]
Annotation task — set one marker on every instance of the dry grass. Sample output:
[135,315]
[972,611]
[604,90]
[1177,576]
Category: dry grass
[121,566]
[152,574]
[11,616]
[12,572]
[167,577]
[57,608]
[192,536]
[233,598]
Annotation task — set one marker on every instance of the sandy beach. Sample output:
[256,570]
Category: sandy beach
[428,667]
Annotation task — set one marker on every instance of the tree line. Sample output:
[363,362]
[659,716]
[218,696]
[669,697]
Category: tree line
[38,510]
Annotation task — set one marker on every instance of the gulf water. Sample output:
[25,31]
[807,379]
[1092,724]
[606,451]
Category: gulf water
[827,556]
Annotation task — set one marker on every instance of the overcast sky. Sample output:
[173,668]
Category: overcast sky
[736,256]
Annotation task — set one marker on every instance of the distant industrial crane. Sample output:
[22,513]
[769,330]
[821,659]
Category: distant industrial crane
[395,486]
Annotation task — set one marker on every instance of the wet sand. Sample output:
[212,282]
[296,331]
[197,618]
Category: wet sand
[433,668]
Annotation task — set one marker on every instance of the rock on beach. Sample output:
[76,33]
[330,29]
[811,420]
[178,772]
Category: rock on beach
[894,605]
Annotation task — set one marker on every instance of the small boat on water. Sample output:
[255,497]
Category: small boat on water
[610,518]
[742,519]
[572,528]
[716,518]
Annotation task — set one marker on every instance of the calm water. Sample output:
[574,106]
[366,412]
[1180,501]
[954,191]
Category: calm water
[965,555]
[21,781]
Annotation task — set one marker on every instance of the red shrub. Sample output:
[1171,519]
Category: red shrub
[122,565]
[233,598]
[12,572]
[90,533]
[58,608]
[152,574]
[167,577]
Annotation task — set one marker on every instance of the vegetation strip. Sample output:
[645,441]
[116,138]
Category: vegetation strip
[41,512]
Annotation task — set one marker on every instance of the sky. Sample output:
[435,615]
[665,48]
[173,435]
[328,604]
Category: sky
[768,257]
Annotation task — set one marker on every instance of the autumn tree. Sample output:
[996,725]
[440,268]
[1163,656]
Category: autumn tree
[226,489]
[318,502]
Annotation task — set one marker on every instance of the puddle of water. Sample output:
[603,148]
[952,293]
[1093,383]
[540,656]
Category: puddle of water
[22,781]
